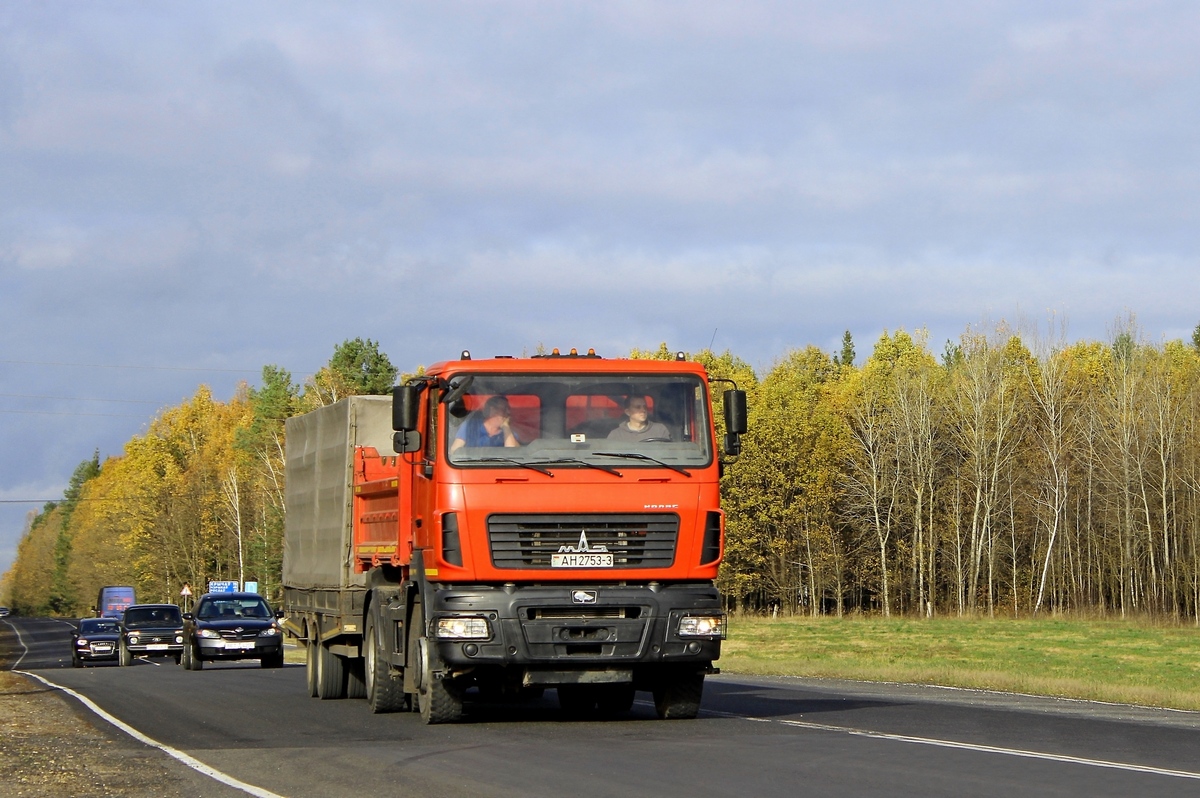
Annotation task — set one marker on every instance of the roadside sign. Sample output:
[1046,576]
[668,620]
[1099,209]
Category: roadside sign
[251,587]
[222,587]
[187,591]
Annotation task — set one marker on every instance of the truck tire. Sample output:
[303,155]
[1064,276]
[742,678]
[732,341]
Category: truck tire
[614,699]
[356,686]
[310,663]
[384,693]
[331,676]
[677,694]
[125,657]
[437,700]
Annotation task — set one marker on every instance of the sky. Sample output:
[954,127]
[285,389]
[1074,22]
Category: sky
[191,191]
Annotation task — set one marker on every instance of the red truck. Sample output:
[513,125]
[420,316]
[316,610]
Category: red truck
[511,525]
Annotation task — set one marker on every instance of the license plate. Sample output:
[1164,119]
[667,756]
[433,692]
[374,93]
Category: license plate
[157,647]
[242,646]
[579,560]
[102,648]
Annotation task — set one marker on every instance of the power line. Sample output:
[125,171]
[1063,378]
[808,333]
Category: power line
[139,368]
[63,413]
[79,398]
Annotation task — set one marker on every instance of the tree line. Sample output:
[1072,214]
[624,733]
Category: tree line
[1014,474]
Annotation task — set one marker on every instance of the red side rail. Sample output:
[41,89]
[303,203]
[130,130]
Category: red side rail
[377,510]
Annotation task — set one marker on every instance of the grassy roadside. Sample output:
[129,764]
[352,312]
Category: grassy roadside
[1131,662]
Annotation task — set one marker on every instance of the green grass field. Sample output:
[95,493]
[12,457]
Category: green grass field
[1129,662]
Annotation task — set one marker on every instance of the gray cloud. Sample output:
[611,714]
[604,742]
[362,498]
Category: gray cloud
[222,187]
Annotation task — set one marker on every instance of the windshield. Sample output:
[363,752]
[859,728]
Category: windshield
[214,608]
[97,627]
[604,422]
[152,616]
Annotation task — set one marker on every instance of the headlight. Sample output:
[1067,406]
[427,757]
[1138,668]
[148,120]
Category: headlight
[270,631]
[178,638]
[133,640]
[210,634]
[463,629]
[702,626]
[81,642]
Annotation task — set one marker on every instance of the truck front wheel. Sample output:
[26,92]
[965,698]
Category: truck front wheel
[438,700]
[384,693]
[677,694]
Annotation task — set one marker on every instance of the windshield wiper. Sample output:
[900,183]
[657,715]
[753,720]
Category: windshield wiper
[511,461]
[577,461]
[639,456]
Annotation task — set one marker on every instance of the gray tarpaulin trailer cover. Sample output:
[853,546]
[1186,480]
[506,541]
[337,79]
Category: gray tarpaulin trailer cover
[320,458]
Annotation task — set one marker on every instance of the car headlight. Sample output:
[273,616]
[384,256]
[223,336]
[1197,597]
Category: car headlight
[210,634]
[270,631]
[702,626]
[463,629]
[179,638]
[133,640]
[81,642]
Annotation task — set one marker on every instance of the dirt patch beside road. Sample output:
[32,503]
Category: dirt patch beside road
[50,749]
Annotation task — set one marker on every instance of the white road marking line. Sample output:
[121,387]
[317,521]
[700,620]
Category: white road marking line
[985,749]
[20,640]
[190,761]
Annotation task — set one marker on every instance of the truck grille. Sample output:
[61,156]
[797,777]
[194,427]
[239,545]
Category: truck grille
[635,541]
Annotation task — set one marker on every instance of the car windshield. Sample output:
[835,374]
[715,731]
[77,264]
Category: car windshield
[97,627]
[152,616]
[215,608]
[607,422]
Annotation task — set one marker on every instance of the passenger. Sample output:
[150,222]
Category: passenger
[637,426]
[488,426]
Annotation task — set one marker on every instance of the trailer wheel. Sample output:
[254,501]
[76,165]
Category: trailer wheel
[310,663]
[438,700]
[355,678]
[331,676]
[677,694]
[384,693]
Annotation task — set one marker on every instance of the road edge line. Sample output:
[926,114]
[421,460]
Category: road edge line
[187,759]
[963,746]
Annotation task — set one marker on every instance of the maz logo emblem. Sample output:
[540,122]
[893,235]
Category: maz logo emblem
[584,596]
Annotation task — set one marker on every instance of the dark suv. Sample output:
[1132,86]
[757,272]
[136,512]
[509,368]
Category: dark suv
[232,626]
[152,630]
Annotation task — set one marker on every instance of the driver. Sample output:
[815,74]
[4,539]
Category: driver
[487,427]
[638,426]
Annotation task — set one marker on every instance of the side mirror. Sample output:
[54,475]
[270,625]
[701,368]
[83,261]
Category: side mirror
[406,404]
[406,441]
[735,412]
[733,445]
[187,616]
[279,613]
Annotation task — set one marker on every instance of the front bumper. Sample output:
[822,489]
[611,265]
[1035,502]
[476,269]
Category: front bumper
[97,651]
[580,629]
[257,648]
[155,649]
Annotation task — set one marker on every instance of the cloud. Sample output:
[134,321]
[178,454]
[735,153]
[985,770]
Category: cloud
[221,187]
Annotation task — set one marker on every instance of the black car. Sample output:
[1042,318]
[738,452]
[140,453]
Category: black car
[151,630]
[95,639]
[232,626]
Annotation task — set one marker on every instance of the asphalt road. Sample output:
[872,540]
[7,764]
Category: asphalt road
[758,737]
